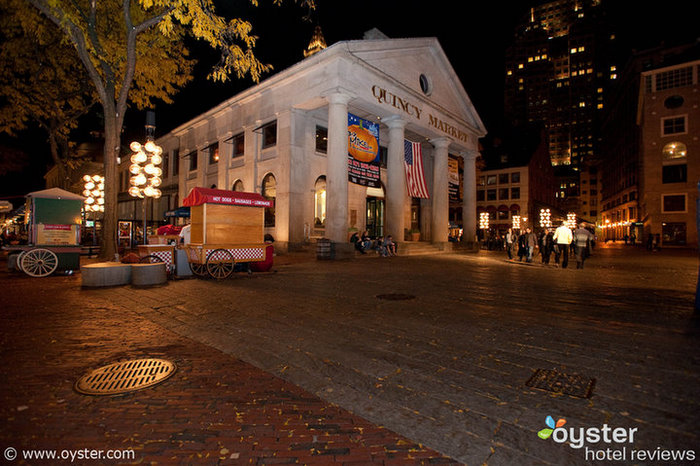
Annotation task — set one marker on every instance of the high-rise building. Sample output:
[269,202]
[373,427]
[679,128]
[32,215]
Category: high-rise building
[558,69]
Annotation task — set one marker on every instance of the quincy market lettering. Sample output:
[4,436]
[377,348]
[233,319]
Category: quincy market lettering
[388,98]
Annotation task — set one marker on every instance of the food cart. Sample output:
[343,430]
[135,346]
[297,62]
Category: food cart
[227,227]
[52,219]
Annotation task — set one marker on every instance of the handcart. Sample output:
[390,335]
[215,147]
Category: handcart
[52,218]
[227,228]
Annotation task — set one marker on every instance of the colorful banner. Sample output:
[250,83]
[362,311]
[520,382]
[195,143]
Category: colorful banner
[453,179]
[363,152]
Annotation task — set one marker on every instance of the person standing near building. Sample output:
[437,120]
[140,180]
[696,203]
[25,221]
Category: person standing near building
[563,238]
[546,245]
[582,238]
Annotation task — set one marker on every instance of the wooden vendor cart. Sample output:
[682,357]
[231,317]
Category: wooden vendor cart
[52,219]
[227,227]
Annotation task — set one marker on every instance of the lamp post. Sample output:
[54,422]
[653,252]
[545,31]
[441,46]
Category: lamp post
[571,220]
[145,169]
[545,218]
[94,192]
[484,223]
[516,222]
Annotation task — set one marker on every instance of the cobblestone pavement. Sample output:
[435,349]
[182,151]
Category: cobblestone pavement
[446,368]
[216,409]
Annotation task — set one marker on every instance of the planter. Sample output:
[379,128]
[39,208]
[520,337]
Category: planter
[415,236]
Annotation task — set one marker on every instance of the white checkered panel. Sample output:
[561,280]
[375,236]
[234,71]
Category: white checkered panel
[239,254]
[165,256]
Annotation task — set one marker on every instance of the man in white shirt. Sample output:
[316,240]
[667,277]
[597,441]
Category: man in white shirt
[563,238]
[185,234]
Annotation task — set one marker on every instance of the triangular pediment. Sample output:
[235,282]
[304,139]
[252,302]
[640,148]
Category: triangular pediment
[420,64]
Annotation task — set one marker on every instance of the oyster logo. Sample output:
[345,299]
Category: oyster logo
[544,434]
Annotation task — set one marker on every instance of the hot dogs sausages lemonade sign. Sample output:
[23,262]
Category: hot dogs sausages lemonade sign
[363,151]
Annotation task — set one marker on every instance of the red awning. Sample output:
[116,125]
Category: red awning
[199,196]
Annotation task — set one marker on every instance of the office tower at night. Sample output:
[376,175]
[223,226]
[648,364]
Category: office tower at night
[558,70]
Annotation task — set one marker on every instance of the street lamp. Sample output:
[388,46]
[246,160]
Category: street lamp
[516,222]
[545,218]
[94,193]
[145,174]
[571,220]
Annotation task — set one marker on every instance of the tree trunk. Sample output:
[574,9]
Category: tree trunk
[111,152]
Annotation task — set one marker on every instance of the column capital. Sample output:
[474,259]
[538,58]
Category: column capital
[470,154]
[440,143]
[394,122]
[337,96]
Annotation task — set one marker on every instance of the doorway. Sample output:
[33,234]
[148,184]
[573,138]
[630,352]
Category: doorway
[375,217]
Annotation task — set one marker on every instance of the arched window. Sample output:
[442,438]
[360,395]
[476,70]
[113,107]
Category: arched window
[675,152]
[269,191]
[237,186]
[320,202]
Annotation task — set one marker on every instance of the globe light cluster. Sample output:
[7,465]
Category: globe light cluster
[94,193]
[145,170]
[545,218]
[516,222]
[571,220]
[484,220]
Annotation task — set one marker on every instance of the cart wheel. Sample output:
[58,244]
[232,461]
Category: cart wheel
[38,262]
[198,269]
[18,258]
[150,259]
[220,264]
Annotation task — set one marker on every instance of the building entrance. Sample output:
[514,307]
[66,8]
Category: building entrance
[375,217]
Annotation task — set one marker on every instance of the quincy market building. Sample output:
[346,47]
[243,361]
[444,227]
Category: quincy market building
[287,139]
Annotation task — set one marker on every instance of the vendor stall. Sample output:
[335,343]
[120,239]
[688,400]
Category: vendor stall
[227,227]
[52,218]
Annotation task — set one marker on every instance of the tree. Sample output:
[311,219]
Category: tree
[41,82]
[117,41]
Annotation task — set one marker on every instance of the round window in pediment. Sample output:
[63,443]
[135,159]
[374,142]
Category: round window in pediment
[426,85]
[675,101]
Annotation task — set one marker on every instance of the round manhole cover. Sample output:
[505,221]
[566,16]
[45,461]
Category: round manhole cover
[396,296]
[126,376]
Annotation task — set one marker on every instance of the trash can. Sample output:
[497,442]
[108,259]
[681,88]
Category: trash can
[324,249]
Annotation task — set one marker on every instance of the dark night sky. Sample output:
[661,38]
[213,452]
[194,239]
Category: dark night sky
[473,40]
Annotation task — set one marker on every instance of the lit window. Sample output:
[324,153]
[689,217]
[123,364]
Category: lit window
[573,50]
[521,66]
[320,202]
[269,191]
[674,151]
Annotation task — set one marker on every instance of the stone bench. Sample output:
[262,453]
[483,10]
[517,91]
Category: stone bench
[148,274]
[105,274]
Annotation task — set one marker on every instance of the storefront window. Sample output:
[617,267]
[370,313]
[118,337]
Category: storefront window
[320,202]
[269,191]
[674,233]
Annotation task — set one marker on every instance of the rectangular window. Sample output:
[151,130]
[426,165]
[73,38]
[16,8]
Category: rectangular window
[383,154]
[480,195]
[503,193]
[481,181]
[673,203]
[491,180]
[515,193]
[675,173]
[502,215]
[491,195]
[269,134]
[503,178]
[193,160]
[515,177]
[213,152]
[321,139]
[673,125]
[674,233]
[164,164]
[238,143]
[176,162]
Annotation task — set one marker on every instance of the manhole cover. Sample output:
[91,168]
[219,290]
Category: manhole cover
[558,382]
[396,296]
[126,376]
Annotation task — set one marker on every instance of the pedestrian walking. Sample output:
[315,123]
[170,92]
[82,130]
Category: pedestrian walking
[531,243]
[510,239]
[522,246]
[546,245]
[582,239]
[562,238]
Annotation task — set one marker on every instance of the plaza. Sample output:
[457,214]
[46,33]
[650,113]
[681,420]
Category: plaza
[401,360]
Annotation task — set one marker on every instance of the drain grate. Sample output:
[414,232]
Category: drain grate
[126,376]
[396,297]
[566,384]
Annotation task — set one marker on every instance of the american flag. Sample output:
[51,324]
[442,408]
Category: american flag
[413,162]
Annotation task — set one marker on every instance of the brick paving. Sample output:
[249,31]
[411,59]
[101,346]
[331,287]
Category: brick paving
[216,409]
[446,369]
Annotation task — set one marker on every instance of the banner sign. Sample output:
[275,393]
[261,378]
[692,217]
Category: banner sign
[363,152]
[57,234]
[453,179]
